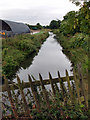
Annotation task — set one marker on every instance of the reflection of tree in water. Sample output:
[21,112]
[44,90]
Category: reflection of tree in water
[24,64]
[28,61]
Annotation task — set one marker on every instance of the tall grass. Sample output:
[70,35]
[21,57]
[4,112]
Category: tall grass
[16,49]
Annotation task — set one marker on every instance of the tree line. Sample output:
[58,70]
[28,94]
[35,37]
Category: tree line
[54,24]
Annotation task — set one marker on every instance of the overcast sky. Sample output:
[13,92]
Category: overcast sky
[34,11]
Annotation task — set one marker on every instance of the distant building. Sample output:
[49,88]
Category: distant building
[9,28]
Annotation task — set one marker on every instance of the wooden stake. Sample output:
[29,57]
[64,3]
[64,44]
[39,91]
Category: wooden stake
[52,85]
[77,87]
[34,93]
[63,89]
[56,87]
[10,98]
[82,84]
[16,100]
[45,94]
[27,111]
[69,86]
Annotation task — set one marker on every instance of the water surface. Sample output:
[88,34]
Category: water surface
[50,58]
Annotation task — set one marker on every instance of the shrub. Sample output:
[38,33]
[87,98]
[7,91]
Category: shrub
[9,66]
[17,48]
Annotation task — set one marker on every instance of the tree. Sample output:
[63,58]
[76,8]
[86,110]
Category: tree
[39,26]
[69,23]
[76,21]
[54,24]
[69,15]
[84,18]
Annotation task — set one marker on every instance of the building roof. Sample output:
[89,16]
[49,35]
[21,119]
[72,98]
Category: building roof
[17,28]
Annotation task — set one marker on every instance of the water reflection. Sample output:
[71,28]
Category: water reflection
[28,61]
[50,58]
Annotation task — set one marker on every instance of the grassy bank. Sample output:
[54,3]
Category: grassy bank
[74,35]
[15,50]
[76,48]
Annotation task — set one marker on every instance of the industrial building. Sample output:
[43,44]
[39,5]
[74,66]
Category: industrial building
[9,28]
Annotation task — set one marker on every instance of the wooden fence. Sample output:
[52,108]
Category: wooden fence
[37,90]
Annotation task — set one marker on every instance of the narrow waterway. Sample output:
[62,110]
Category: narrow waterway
[50,58]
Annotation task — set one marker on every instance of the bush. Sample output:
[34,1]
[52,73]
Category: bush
[9,66]
[58,111]
[16,49]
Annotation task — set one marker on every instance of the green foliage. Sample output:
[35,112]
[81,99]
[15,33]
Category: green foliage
[69,15]
[9,66]
[76,48]
[60,111]
[16,49]
[54,24]
[60,105]
[80,41]
[76,21]
[68,25]
[73,35]
[35,27]
[39,26]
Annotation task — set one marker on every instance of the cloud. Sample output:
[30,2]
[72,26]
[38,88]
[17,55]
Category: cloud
[32,11]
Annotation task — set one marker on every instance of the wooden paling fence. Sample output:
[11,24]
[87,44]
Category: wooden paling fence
[21,95]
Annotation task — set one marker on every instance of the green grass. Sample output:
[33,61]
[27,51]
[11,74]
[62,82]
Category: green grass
[16,49]
[76,48]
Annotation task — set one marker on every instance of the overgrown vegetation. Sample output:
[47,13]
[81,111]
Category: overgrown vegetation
[55,104]
[35,27]
[73,35]
[60,112]
[16,49]
[54,24]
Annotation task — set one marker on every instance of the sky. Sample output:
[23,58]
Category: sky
[35,11]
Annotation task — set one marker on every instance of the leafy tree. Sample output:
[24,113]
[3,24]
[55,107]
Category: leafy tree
[84,18]
[39,26]
[68,25]
[46,27]
[74,22]
[74,35]
[35,27]
[69,15]
[54,24]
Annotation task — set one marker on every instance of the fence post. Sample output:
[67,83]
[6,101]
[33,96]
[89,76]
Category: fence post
[16,100]
[34,93]
[82,84]
[10,98]
[27,111]
[69,87]
[52,85]
[56,87]
[63,89]
[45,93]
[77,87]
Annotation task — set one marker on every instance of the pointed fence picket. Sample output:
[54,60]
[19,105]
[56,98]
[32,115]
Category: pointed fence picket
[11,99]
[45,94]
[82,84]
[67,94]
[20,85]
[34,93]
[52,85]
